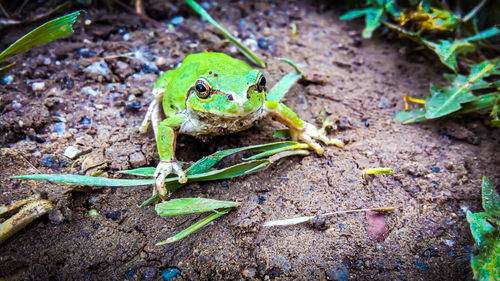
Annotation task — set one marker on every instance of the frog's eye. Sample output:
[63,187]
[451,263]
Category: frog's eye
[261,84]
[202,89]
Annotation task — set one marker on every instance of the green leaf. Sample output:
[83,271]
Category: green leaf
[491,199]
[411,116]
[372,22]
[355,13]
[484,261]
[194,227]
[185,206]
[86,180]
[143,172]
[374,15]
[446,100]
[45,33]
[242,48]
[447,50]
[485,228]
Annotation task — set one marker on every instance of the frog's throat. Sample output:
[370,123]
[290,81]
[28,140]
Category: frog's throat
[204,123]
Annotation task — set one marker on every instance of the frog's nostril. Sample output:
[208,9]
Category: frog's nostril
[229,97]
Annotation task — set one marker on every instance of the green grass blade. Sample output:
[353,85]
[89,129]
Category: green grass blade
[355,13]
[208,162]
[281,133]
[86,180]
[194,227]
[277,150]
[244,50]
[143,172]
[226,173]
[45,33]
[283,86]
[185,206]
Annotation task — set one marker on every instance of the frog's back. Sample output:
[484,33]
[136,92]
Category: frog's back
[181,79]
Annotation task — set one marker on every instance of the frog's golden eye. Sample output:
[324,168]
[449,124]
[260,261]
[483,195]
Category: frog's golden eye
[202,89]
[261,83]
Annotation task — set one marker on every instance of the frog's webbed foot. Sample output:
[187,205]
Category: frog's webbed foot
[309,134]
[163,169]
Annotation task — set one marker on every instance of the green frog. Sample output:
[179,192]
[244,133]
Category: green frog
[214,94]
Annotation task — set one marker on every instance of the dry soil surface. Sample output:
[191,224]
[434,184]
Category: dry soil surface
[95,105]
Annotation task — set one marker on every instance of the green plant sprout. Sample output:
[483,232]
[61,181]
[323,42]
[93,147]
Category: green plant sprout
[485,228]
[242,48]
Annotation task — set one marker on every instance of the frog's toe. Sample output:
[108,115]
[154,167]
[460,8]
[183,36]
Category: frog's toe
[163,169]
[177,169]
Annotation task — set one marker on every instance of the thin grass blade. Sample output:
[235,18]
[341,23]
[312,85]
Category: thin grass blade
[242,48]
[208,162]
[277,150]
[283,86]
[185,206]
[86,180]
[143,171]
[194,227]
[45,33]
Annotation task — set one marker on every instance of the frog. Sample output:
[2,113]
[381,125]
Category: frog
[211,94]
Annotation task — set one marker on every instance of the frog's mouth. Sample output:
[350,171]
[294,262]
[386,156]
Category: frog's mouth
[206,123]
[240,114]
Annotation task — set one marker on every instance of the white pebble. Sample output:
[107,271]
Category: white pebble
[38,86]
[72,152]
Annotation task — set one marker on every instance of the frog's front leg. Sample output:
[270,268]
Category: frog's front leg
[299,130]
[166,140]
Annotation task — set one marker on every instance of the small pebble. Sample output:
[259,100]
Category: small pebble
[55,216]
[367,123]
[114,215]
[16,105]
[7,79]
[169,273]
[59,128]
[46,61]
[384,103]
[137,159]
[126,36]
[49,162]
[85,121]
[72,152]
[135,104]
[435,169]
[205,5]
[98,68]
[93,213]
[177,20]
[449,243]
[89,91]
[38,86]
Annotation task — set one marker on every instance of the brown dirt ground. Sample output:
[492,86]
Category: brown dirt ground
[359,83]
